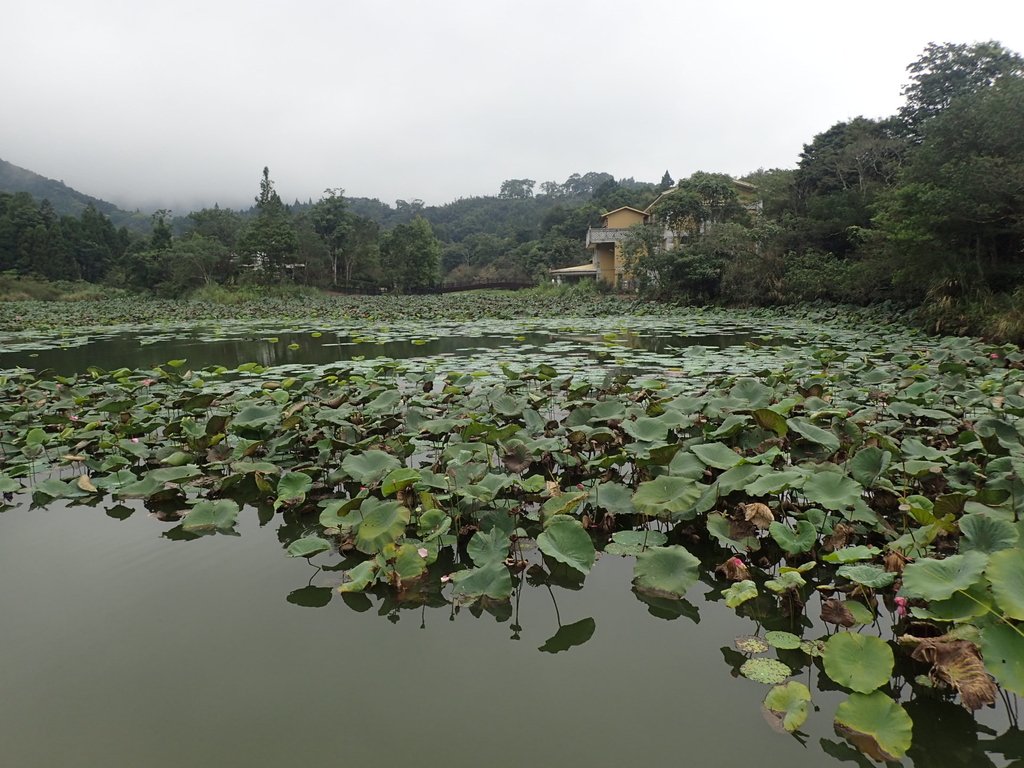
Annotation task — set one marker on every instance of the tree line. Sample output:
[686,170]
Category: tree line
[923,207]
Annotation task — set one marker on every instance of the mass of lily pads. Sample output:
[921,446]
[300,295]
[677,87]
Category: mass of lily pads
[870,483]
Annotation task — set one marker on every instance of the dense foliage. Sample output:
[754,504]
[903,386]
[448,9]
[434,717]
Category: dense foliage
[922,207]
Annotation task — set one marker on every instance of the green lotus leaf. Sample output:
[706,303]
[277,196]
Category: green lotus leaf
[767,671]
[987,534]
[383,522]
[563,504]
[851,554]
[751,393]
[492,580]
[401,563]
[308,546]
[1006,573]
[398,479]
[59,489]
[634,542]
[869,464]
[739,593]
[868,575]
[717,455]
[674,497]
[646,429]
[489,547]
[790,702]
[832,490]
[255,417]
[932,579]
[370,467]
[785,582]
[292,488]
[769,419]
[740,477]
[669,571]
[783,640]
[1002,647]
[814,434]
[612,497]
[211,515]
[777,482]
[360,577]
[794,542]
[567,541]
[10,485]
[860,662]
[878,718]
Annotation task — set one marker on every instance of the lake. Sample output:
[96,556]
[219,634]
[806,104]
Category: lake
[130,641]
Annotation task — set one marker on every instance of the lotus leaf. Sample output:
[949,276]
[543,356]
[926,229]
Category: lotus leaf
[932,579]
[1005,571]
[860,662]
[832,490]
[292,488]
[851,554]
[370,467]
[717,455]
[668,571]
[793,543]
[490,547]
[870,576]
[767,671]
[492,580]
[869,464]
[790,702]
[211,515]
[784,640]
[1002,646]
[566,540]
[382,523]
[987,534]
[632,542]
[751,644]
[876,725]
[739,593]
[814,434]
[308,546]
[360,577]
[674,497]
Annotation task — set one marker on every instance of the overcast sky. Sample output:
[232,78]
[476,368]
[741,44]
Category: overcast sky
[181,104]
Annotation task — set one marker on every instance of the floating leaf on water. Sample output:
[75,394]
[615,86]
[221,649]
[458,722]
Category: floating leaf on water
[668,571]
[783,640]
[211,515]
[860,662]
[767,671]
[790,702]
[751,644]
[875,724]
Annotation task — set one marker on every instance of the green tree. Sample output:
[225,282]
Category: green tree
[946,72]
[517,189]
[270,241]
[333,223]
[411,256]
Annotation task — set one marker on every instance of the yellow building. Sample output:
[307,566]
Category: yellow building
[606,243]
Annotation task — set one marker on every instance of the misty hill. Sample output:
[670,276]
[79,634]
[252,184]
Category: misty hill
[64,199]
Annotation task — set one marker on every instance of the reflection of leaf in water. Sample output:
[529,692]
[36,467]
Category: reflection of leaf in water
[569,636]
[310,597]
[668,608]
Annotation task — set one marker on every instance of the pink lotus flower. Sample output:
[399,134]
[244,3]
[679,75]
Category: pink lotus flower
[446,578]
[901,606]
[423,552]
[135,439]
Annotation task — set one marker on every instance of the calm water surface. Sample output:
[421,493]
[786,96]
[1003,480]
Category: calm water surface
[123,646]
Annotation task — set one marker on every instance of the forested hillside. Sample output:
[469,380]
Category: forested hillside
[923,207]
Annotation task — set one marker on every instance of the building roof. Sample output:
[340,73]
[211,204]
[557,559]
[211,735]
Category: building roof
[582,269]
[623,208]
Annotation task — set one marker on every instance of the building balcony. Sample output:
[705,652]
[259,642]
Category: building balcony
[597,235]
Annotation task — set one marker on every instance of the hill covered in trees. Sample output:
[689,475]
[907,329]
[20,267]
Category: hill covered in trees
[923,207]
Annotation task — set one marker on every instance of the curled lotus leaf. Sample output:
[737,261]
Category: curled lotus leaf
[790,702]
[876,725]
[739,593]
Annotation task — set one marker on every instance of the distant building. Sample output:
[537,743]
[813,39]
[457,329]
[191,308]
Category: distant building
[607,263]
